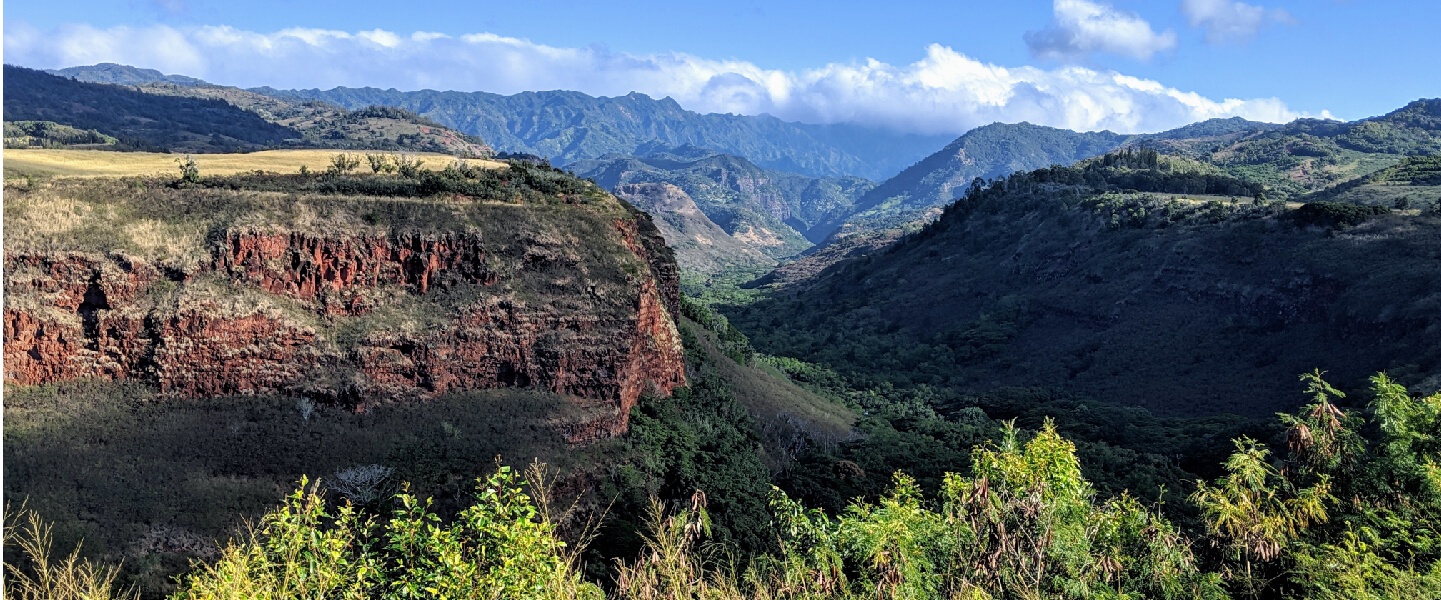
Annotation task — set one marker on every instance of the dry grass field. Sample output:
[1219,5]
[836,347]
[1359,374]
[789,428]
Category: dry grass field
[97,163]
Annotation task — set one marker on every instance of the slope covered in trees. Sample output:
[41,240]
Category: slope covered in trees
[1134,278]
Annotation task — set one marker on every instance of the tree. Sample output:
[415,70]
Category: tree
[342,163]
[1256,511]
[189,169]
[408,166]
[380,163]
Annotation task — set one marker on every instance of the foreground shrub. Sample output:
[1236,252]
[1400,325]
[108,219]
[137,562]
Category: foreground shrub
[502,546]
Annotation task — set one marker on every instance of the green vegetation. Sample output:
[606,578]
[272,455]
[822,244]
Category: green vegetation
[48,134]
[31,572]
[1351,510]
[1029,397]
[500,546]
[986,152]
[1119,283]
[1336,214]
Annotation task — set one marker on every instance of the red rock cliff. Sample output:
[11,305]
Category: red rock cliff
[357,318]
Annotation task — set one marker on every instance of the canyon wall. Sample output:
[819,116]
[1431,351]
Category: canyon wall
[365,316]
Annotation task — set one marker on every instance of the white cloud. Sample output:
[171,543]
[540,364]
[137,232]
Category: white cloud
[1080,28]
[1230,21]
[943,92]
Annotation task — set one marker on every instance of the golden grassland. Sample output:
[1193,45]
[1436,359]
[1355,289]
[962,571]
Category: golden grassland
[99,163]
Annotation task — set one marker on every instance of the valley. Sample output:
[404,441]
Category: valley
[554,345]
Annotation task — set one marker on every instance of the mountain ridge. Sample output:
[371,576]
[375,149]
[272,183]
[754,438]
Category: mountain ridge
[566,126]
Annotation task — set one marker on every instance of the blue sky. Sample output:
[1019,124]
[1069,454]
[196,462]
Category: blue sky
[1127,65]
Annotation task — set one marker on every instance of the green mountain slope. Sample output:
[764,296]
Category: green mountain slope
[991,151]
[1000,149]
[324,125]
[1309,155]
[1302,157]
[1178,298]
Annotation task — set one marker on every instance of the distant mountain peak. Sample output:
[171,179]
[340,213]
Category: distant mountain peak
[118,74]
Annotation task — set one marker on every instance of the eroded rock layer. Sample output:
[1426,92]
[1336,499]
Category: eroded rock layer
[365,316]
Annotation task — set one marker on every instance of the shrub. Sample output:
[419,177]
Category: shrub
[502,546]
[189,169]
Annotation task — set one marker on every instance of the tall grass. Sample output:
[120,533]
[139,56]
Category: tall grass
[34,572]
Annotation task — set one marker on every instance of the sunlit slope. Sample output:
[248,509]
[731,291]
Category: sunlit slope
[99,163]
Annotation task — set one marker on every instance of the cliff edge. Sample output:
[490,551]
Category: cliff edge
[361,292]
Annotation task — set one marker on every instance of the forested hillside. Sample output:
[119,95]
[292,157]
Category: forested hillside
[1133,278]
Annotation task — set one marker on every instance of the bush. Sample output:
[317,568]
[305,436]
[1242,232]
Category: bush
[1336,215]
[502,546]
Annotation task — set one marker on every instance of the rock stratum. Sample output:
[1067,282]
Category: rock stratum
[345,299]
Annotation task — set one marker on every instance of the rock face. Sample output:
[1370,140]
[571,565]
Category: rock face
[360,318]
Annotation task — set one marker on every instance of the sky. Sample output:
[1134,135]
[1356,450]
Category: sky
[924,67]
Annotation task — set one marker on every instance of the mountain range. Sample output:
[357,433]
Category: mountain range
[564,126]
[568,126]
[775,188]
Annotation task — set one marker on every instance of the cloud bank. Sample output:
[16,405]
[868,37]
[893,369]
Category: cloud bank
[943,92]
[1080,28]
[1230,21]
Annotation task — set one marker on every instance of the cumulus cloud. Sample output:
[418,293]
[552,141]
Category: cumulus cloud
[1230,21]
[943,92]
[1080,28]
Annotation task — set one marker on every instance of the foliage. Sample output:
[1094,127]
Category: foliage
[380,163]
[342,164]
[501,546]
[189,169]
[701,438]
[1352,511]
[1025,525]
[1025,280]
[520,183]
[49,134]
[1336,214]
